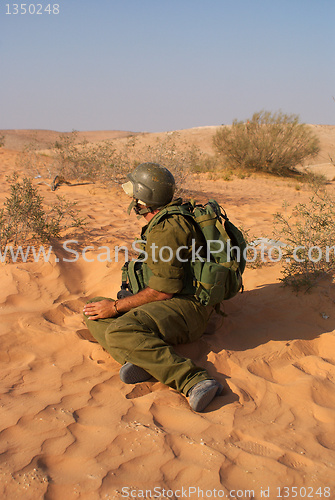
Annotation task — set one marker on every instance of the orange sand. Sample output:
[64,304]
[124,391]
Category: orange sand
[71,429]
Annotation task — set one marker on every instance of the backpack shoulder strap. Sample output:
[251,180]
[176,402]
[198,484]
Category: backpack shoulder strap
[175,208]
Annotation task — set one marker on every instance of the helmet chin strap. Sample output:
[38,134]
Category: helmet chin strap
[139,211]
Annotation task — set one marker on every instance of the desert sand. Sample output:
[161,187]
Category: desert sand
[71,429]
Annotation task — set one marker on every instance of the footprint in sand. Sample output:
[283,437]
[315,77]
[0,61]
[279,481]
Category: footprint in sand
[139,391]
[63,312]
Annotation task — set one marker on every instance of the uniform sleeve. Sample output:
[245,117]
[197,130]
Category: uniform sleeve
[168,244]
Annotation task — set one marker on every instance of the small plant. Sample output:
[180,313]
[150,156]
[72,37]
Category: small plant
[332,161]
[256,251]
[24,218]
[309,236]
[31,161]
[273,143]
[2,141]
[227,175]
[81,160]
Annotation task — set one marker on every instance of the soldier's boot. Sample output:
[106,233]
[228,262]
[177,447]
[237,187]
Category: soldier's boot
[202,393]
[132,374]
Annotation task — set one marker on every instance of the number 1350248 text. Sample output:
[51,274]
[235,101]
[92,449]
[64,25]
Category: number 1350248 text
[32,8]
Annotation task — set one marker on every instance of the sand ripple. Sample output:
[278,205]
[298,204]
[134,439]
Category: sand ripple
[70,429]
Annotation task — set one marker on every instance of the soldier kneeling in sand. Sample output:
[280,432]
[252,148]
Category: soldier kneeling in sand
[140,329]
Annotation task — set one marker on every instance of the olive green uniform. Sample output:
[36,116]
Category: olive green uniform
[145,335]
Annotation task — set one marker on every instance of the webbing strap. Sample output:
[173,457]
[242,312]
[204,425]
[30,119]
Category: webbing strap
[206,220]
[132,277]
[140,279]
[233,264]
[217,309]
[198,291]
[124,270]
[222,230]
[172,209]
[206,286]
[200,287]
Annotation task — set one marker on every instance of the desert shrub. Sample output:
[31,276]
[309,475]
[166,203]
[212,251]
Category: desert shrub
[332,161]
[254,259]
[71,159]
[309,236]
[29,160]
[110,161]
[85,161]
[274,143]
[2,141]
[24,218]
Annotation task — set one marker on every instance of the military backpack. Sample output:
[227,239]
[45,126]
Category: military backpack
[218,276]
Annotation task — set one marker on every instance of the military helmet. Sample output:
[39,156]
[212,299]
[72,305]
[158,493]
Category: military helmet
[151,184]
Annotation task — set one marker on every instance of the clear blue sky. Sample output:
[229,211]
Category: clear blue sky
[158,65]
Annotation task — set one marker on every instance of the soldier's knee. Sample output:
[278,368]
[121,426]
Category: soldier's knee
[125,333]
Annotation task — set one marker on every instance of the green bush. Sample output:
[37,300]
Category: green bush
[274,143]
[110,161]
[85,161]
[309,236]
[24,218]
[31,161]
[70,159]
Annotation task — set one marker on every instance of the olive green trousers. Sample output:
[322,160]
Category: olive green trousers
[145,335]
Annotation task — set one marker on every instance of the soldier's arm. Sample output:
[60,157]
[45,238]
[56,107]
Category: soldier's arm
[106,308]
[166,275]
[143,297]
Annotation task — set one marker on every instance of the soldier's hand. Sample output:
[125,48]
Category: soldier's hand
[100,310]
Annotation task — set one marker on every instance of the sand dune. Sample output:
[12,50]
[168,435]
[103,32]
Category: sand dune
[18,139]
[71,429]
